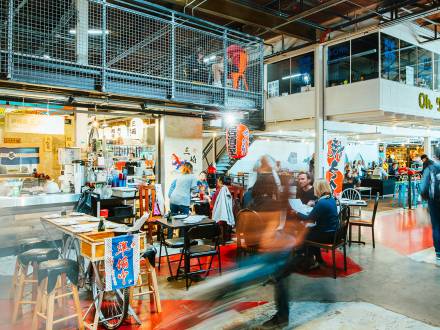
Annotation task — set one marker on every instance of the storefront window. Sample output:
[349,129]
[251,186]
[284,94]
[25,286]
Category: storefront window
[278,82]
[338,64]
[301,72]
[365,58]
[424,68]
[436,72]
[390,57]
[408,63]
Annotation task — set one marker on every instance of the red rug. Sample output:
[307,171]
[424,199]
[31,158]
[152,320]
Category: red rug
[327,271]
[229,255]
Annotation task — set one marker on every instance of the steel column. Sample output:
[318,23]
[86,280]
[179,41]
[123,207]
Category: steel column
[225,67]
[104,46]
[173,56]
[10,64]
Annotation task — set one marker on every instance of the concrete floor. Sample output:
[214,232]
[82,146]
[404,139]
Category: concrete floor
[391,285]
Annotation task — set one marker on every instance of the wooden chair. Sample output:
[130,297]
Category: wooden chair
[147,199]
[364,223]
[340,239]
[248,228]
[147,282]
[52,278]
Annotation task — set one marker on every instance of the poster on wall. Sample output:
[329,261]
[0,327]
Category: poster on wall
[334,153]
[273,88]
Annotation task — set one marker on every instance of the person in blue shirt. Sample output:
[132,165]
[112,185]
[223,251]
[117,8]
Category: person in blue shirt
[181,189]
[323,219]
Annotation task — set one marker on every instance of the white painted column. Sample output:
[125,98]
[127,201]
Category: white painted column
[82,31]
[81,134]
[182,137]
[427,146]
[319,112]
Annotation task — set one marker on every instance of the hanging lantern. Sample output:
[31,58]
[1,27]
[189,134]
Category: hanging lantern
[237,141]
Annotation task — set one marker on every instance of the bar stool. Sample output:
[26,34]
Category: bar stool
[52,276]
[23,246]
[147,279]
[28,258]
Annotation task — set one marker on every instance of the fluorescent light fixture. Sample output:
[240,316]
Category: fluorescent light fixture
[292,76]
[93,32]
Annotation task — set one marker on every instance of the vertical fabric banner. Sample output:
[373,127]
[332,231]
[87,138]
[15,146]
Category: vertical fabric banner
[121,261]
[335,165]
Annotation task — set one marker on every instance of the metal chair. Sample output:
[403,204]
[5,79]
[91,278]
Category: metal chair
[364,223]
[353,195]
[209,232]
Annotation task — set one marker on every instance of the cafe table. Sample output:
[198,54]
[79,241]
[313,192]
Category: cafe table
[183,227]
[83,243]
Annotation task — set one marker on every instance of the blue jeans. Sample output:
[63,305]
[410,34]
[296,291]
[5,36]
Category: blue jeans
[179,209]
[434,211]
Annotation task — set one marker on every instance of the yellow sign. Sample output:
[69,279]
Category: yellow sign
[48,143]
[425,102]
[12,140]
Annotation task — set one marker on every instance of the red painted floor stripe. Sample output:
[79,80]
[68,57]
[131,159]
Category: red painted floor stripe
[406,232]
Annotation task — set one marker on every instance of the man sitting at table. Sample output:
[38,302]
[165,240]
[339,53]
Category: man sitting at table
[304,190]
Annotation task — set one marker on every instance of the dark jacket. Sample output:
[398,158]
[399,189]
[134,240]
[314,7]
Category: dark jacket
[324,214]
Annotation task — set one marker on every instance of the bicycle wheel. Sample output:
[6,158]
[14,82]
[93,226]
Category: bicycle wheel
[72,251]
[114,307]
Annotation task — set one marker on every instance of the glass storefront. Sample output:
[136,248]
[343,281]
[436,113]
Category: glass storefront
[390,57]
[436,72]
[338,69]
[291,76]
[365,58]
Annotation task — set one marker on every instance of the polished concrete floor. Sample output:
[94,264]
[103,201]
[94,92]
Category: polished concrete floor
[394,286]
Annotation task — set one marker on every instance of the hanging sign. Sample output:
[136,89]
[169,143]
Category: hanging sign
[333,175]
[237,141]
[121,261]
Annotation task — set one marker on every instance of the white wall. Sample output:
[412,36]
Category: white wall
[356,97]
[401,98]
[278,150]
[293,106]
[369,152]
[178,136]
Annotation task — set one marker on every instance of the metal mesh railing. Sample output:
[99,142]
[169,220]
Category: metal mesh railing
[137,49]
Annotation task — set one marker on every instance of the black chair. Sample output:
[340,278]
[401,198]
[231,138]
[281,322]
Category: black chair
[340,239]
[209,233]
[364,223]
[172,243]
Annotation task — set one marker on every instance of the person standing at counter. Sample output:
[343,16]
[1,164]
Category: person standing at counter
[181,189]
[426,161]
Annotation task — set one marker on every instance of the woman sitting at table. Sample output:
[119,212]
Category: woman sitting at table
[181,189]
[323,221]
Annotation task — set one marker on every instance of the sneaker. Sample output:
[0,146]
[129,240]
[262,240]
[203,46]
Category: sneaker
[275,322]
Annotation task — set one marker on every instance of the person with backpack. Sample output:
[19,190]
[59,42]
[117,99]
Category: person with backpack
[430,191]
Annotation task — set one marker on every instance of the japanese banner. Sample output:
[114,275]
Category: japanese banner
[335,165]
[121,261]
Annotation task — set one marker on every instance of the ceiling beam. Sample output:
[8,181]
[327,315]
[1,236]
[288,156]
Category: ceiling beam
[234,11]
[305,13]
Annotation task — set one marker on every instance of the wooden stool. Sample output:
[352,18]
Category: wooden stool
[148,280]
[23,246]
[52,276]
[31,257]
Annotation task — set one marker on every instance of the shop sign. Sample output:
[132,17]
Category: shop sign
[121,261]
[425,102]
[335,162]
[34,124]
